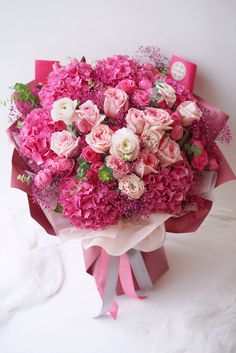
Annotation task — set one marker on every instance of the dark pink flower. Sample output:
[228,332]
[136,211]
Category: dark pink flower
[90,155]
[42,179]
[140,99]
[127,85]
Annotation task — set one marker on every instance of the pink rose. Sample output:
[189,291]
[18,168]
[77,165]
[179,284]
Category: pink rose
[189,112]
[151,139]
[169,152]
[200,158]
[158,118]
[99,139]
[132,186]
[64,143]
[177,132]
[116,101]
[201,161]
[140,99]
[213,164]
[90,155]
[135,120]
[127,85]
[42,179]
[88,116]
[147,164]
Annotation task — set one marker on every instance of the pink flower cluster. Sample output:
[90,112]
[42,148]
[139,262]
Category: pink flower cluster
[117,141]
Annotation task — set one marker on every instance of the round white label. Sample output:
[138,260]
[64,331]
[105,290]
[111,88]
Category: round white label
[178,71]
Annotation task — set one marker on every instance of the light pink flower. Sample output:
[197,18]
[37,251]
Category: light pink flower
[151,139]
[99,139]
[119,167]
[169,152]
[116,101]
[64,143]
[147,164]
[125,145]
[127,85]
[145,84]
[189,112]
[132,186]
[88,116]
[135,120]
[158,118]
[166,93]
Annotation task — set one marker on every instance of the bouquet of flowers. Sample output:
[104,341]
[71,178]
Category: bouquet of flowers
[117,153]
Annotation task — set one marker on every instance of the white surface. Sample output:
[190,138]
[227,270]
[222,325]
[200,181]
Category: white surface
[197,295]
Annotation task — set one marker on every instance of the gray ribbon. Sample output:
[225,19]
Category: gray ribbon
[110,285]
[139,269]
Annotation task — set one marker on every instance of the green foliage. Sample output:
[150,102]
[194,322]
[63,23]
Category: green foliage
[105,173]
[24,94]
[81,171]
[192,149]
[24,178]
[58,208]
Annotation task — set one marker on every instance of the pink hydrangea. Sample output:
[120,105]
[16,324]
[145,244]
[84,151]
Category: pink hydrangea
[114,69]
[70,81]
[35,135]
[87,205]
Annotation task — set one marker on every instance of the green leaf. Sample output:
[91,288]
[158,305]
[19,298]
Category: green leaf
[196,150]
[19,124]
[69,128]
[78,104]
[58,208]
[24,93]
[81,160]
[105,173]
[82,170]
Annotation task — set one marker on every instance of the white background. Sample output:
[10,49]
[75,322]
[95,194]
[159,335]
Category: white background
[202,31]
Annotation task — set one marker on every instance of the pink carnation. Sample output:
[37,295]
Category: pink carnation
[140,99]
[119,167]
[35,135]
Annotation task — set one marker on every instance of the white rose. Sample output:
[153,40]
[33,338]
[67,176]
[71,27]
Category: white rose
[64,109]
[125,144]
[132,186]
[189,112]
[167,93]
[151,139]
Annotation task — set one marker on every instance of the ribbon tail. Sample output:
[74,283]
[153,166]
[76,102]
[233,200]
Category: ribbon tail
[140,270]
[109,292]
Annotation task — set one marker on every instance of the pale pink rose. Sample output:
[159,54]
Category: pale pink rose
[151,139]
[63,109]
[166,93]
[125,145]
[169,152]
[127,85]
[158,118]
[64,144]
[132,186]
[177,132]
[147,164]
[135,120]
[189,112]
[99,139]
[116,101]
[88,116]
